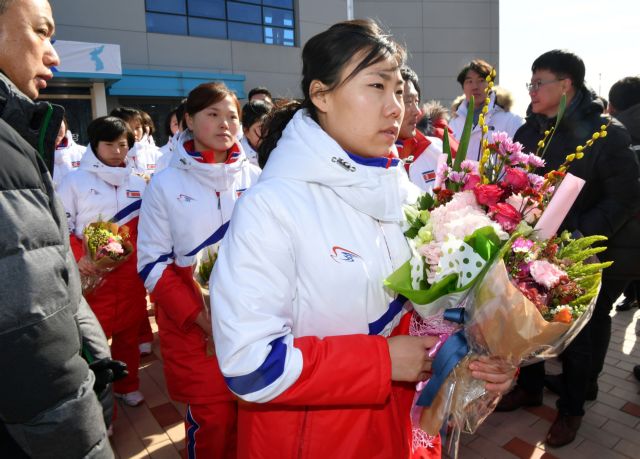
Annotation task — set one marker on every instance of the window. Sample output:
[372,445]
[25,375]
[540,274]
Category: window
[262,21]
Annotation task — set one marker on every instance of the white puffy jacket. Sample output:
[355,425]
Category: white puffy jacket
[252,155]
[422,172]
[144,157]
[66,159]
[187,208]
[99,192]
[306,254]
[496,119]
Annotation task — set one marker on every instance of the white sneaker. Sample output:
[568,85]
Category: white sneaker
[145,349]
[134,398]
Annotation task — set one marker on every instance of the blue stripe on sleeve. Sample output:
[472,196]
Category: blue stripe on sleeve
[127,210]
[270,370]
[394,308]
[144,272]
[215,237]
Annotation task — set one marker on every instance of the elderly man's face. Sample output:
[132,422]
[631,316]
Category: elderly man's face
[26,53]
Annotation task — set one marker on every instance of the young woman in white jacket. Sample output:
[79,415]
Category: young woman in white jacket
[68,154]
[105,188]
[186,210]
[302,322]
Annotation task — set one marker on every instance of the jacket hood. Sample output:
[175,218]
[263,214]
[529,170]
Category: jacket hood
[36,122]
[630,118]
[116,176]
[220,176]
[305,152]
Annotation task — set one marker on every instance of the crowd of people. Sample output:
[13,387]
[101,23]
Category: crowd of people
[301,351]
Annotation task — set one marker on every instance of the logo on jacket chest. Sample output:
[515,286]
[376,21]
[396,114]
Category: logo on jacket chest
[133,194]
[75,163]
[429,176]
[185,198]
[342,255]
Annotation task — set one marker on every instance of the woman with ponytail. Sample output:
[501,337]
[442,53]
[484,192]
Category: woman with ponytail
[186,211]
[304,329]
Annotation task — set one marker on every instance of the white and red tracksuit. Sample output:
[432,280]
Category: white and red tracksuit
[187,209]
[425,151]
[67,158]
[98,192]
[300,313]
[144,157]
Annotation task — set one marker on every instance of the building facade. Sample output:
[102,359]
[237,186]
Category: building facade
[167,47]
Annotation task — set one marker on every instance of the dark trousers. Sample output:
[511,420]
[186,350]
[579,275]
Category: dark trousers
[583,359]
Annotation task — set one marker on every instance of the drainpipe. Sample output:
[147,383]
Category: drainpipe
[349,9]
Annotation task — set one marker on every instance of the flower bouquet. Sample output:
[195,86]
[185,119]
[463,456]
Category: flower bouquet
[486,257]
[108,246]
[204,266]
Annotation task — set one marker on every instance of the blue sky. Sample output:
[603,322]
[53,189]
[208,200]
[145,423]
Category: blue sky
[605,34]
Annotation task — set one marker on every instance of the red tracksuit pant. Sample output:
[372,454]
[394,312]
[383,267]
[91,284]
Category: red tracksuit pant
[211,430]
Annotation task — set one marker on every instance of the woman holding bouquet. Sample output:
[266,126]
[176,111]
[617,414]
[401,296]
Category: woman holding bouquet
[303,326]
[186,210]
[104,188]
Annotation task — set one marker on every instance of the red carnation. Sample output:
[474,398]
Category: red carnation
[488,195]
[506,215]
[516,179]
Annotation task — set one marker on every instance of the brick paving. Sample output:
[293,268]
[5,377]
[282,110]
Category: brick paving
[610,428]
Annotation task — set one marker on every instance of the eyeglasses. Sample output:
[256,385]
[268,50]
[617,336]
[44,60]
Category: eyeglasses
[531,87]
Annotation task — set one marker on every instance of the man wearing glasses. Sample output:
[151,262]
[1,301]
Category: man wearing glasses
[610,197]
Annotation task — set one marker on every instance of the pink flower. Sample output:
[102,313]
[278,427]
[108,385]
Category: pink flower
[536,161]
[469,166]
[522,245]
[536,181]
[545,273]
[114,248]
[471,181]
[516,179]
[456,177]
[519,159]
[505,215]
[501,137]
[488,195]
[527,207]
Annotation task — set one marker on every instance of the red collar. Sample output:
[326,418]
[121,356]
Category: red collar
[208,156]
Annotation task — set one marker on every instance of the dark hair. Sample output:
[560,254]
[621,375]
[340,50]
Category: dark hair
[108,129]
[147,121]
[127,114]
[625,93]
[481,67]
[206,94]
[259,90]
[167,123]
[255,111]
[324,57]
[180,113]
[563,64]
[409,75]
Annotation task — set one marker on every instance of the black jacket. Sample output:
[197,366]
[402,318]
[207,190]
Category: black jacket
[611,195]
[46,397]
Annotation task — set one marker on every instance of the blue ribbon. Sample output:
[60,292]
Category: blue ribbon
[456,315]
[452,351]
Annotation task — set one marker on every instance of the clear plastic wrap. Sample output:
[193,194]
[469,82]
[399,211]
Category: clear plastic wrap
[502,323]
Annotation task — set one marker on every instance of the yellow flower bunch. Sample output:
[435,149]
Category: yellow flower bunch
[484,143]
[556,175]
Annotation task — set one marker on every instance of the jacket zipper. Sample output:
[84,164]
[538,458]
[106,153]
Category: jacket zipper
[302,433]
[386,243]
[115,187]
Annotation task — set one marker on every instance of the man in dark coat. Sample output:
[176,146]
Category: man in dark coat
[48,407]
[609,199]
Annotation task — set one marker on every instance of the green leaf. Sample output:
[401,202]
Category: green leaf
[461,155]
[446,146]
